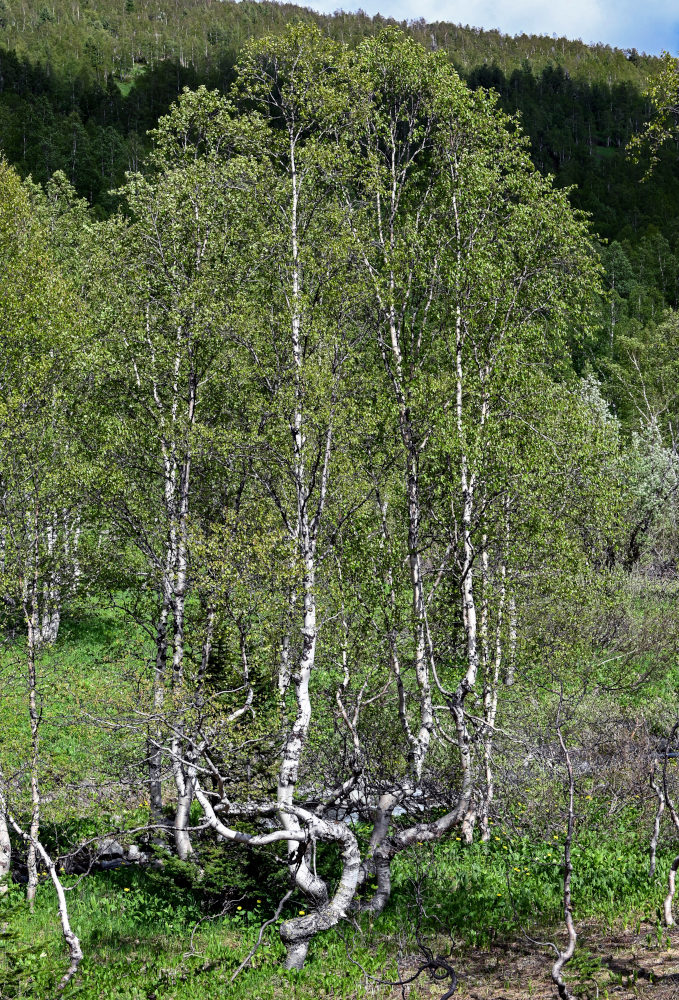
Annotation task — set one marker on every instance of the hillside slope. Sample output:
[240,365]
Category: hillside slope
[97,39]
[82,82]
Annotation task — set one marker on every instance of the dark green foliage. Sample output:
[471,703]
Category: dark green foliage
[220,876]
[79,89]
[579,130]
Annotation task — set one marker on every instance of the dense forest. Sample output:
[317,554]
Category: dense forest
[81,88]
[339,506]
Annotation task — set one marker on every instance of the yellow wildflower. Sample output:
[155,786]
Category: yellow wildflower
[301,913]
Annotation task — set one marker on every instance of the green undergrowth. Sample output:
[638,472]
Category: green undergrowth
[140,944]
[88,689]
[147,937]
[158,933]
[488,892]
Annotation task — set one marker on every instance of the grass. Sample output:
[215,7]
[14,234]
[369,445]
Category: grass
[94,676]
[139,945]
[487,892]
[136,926]
[127,82]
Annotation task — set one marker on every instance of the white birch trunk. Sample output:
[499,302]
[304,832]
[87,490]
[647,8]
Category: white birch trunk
[5,842]
[653,847]
[296,934]
[674,867]
[183,783]
[174,586]
[155,757]
[288,774]
[206,650]
[72,532]
[564,955]
[284,666]
[671,888]
[70,937]
[469,613]
[33,644]
[51,606]
[491,687]
[185,793]
[513,635]
[180,581]
[419,744]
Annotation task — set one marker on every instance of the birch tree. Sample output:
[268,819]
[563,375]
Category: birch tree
[5,842]
[408,238]
[167,331]
[37,451]
[344,309]
[304,357]
[470,260]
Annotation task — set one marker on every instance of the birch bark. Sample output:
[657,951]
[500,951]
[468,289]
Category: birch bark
[305,540]
[5,842]
[31,615]
[70,937]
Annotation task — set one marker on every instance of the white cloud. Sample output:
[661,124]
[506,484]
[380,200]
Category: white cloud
[627,24]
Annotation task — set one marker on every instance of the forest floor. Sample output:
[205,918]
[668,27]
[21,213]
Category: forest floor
[132,954]
[145,934]
[630,963]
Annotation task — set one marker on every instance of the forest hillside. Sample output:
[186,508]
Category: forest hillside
[339,508]
[81,86]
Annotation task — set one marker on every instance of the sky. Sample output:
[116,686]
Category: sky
[649,26]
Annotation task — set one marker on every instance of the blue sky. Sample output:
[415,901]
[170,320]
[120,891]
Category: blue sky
[650,26]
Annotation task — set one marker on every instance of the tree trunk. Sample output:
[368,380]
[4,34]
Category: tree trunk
[491,687]
[565,954]
[297,933]
[155,757]
[653,847]
[304,539]
[33,628]
[5,842]
[70,937]
[185,793]
[51,606]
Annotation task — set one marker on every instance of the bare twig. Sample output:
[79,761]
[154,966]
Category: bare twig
[566,953]
[653,847]
[267,923]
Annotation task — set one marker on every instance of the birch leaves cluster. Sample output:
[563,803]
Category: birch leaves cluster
[332,431]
